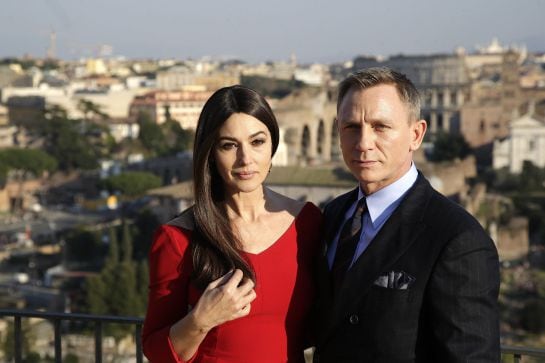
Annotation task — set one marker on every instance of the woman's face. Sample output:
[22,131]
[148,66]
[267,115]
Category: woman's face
[243,153]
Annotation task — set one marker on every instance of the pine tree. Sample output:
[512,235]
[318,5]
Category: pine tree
[127,243]
[142,283]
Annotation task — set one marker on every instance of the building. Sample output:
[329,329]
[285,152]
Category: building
[443,81]
[3,115]
[25,110]
[121,129]
[7,136]
[182,77]
[526,142]
[181,106]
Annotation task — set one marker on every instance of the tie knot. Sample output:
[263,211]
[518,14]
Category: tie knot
[361,206]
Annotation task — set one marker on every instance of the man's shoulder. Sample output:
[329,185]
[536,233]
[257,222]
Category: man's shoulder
[446,214]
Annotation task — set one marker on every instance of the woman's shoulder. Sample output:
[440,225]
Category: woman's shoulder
[184,220]
[175,235]
[295,207]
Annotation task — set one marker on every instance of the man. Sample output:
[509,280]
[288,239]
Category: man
[406,275]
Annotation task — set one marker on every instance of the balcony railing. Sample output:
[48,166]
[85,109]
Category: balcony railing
[58,318]
[99,320]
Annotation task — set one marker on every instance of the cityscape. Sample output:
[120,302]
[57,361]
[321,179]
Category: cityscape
[96,152]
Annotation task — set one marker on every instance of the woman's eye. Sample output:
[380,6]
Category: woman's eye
[258,142]
[228,146]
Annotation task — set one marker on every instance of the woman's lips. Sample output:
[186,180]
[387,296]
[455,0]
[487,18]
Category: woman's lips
[244,175]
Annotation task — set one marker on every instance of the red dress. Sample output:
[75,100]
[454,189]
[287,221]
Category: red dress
[275,328]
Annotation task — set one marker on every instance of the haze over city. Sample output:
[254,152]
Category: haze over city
[315,31]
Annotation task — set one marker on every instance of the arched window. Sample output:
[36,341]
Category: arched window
[335,151]
[305,143]
[321,137]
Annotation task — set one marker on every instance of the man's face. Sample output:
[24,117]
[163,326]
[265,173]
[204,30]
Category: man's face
[377,138]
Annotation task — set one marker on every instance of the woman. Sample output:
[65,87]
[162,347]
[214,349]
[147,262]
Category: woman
[231,277]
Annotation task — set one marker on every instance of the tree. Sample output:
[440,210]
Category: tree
[89,108]
[65,141]
[146,223]
[127,242]
[132,183]
[32,161]
[532,178]
[447,147]
[176,137]
[27,341]
[271,87]
[121,286]
[83,250]
[24,162]
[151,135]
[533,316]
[142,283]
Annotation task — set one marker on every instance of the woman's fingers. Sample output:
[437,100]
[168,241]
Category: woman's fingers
[222,280]
[233,281]
[246,286]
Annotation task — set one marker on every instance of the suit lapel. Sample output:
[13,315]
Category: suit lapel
[396,236]
[334,215]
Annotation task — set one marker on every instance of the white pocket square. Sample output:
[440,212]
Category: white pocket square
[398,280]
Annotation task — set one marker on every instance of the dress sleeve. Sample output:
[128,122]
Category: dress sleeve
[170,267]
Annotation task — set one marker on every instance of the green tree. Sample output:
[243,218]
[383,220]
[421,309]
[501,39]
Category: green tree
[271,87]
[142,283]
[532,178]
[71,142]
[66,142]
[176,138]
[28,340]
[146,223]
[131,183]
[447,147]
[31,161]
[83,250]
[151,135]
[533,316]
[127,243]
[71,358]
[90,109]
[117,289]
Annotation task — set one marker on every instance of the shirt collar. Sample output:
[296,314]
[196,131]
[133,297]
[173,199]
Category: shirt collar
[385,197]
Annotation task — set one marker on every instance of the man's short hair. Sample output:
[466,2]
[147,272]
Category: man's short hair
[370,77]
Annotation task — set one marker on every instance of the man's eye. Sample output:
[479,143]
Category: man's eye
[352,127]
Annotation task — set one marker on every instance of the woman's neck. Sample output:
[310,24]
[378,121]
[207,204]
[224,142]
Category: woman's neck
[246,206]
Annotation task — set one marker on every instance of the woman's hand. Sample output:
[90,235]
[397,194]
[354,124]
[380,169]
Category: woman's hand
[224,299]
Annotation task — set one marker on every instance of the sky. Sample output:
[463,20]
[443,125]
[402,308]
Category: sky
[323,31]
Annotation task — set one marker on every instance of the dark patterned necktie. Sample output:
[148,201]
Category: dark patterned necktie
[346,247]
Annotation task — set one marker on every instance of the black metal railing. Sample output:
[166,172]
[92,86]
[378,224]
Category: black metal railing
[518,352]
[58,318]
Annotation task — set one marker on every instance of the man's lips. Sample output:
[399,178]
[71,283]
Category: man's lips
[364,162]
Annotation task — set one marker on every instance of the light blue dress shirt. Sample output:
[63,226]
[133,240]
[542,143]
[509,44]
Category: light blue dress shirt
[380,206]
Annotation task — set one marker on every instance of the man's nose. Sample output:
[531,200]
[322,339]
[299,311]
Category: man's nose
[366,138]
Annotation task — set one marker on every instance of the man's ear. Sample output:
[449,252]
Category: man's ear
[418,130]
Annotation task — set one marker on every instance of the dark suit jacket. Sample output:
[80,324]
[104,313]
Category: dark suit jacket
[448,314]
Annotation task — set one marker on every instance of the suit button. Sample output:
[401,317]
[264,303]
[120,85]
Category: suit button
[354,319]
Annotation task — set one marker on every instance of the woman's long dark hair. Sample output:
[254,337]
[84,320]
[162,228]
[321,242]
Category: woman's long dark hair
[215,247]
